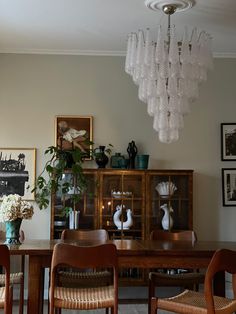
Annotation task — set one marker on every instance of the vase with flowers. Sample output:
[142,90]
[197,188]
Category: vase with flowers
[13,209]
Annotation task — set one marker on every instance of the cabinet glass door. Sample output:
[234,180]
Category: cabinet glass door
[122,204]
[71,214]
[174,191]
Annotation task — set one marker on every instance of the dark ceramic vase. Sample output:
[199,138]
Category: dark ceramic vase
[101,158]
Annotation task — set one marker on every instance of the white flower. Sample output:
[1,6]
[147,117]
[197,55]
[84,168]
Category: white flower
[14,207]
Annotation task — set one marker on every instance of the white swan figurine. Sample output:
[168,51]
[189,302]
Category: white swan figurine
[116,218]
[167,220]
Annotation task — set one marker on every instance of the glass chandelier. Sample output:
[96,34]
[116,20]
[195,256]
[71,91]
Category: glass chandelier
[168,71]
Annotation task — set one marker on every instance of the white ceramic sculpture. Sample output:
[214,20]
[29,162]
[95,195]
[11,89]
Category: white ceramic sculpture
[116,218]
[166,189]
[167,220]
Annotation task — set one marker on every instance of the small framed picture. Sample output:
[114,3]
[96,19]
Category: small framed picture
[17,172]
[228,141]
[229,186]
[74,132]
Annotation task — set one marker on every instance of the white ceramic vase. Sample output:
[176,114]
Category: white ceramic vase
[167,220]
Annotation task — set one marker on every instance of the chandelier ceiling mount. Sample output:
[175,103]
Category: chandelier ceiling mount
[168,6]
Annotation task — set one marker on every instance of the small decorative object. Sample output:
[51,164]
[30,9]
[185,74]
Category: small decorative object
[228,141]
[142,161]
[116,160]
[116,218]
[132,152]
[100,157]
[167,220]
[12,211]
[118,194]
[74,219]
[229,186]
[166,189]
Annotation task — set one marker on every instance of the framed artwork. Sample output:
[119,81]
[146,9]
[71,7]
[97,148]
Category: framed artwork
[17,172]
[229,186]
[74,132]
[228,141]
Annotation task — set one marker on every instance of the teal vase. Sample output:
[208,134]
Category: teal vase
[13,231]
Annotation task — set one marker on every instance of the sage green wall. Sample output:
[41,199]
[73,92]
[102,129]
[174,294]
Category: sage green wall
[35,88]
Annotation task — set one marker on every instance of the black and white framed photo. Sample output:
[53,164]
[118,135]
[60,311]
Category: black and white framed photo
[228,141]
[17,172]
[229,186]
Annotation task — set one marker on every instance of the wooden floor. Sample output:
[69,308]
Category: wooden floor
[123,309]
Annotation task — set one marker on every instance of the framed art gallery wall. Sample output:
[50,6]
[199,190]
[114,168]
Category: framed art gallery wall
[17,172]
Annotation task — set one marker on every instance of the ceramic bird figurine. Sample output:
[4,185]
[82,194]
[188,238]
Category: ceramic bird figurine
[116,218]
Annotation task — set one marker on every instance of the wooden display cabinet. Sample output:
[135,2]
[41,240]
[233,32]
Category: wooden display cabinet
[98,205]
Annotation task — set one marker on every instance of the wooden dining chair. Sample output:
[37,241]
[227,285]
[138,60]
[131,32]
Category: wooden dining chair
[199,303]
[18,277]
[185,278]
[85,278]
[6,290]
[84,257]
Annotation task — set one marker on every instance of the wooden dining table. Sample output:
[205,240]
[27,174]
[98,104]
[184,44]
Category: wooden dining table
[131,254]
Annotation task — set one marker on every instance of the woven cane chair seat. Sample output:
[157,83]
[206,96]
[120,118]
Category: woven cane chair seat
[15,278]
[194,302]
[84,298]
[2,296]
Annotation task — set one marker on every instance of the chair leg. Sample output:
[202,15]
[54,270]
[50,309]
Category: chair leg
[21,305]
[107,310]
[8,310]
[153,305]
[151,294]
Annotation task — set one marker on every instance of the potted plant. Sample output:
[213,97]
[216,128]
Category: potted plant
[50,181]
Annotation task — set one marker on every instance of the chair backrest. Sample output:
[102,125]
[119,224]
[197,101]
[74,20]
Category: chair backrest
[222,260]
[181,235]
[99,235]
[5,263]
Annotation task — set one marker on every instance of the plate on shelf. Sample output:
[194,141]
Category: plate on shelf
[59,223]
[118,194]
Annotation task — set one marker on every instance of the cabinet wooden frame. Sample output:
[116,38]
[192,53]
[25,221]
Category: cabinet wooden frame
[183,198]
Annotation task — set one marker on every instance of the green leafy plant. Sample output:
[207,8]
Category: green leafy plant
[50,180]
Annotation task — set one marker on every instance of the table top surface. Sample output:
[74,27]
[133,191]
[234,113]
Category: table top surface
[128,247]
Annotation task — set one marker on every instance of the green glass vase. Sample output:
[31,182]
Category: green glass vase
[13,231]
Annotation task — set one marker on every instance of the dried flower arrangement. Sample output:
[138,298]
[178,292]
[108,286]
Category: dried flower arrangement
[13,207]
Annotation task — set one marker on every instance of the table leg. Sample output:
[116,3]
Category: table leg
[35,285]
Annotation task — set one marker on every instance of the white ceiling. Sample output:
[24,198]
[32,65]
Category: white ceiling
[101,26]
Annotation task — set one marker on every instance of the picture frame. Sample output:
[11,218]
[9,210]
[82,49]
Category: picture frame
[228,141]
[74,131]
[229,186]
[17,172]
